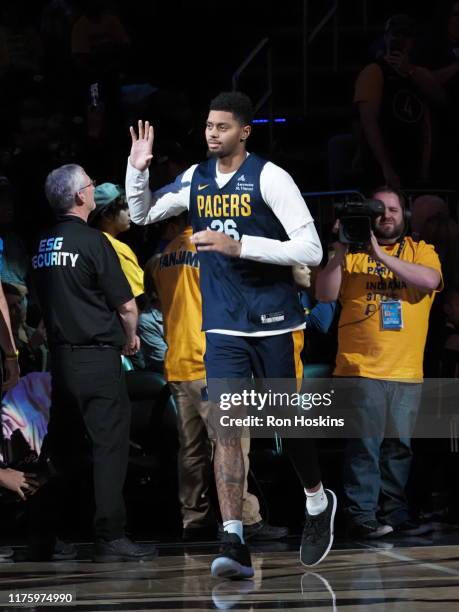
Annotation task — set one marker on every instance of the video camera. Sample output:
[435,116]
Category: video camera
[356,220]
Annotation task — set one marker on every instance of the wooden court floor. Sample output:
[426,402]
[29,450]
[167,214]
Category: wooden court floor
[390,577]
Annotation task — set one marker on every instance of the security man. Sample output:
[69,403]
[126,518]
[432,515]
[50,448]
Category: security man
[90,317]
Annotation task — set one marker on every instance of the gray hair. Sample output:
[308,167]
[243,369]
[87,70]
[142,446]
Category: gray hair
[62,184]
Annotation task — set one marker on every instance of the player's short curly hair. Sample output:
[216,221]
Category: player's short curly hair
[234,102]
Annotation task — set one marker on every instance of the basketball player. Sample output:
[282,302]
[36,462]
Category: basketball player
[250,226]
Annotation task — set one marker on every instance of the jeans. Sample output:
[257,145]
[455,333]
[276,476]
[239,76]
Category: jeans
[376,468]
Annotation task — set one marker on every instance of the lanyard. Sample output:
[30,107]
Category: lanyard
[397,256]
[400,249]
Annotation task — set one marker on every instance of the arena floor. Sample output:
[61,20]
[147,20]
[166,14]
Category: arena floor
[413,574]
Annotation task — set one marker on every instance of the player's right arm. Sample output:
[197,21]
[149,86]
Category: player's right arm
[146,207]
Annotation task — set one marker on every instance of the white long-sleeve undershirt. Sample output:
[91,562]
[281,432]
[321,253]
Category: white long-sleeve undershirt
[278,190]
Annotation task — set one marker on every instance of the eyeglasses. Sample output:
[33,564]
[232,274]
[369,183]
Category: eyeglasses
[93,183]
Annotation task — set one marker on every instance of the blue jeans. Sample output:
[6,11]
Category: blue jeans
[376,468]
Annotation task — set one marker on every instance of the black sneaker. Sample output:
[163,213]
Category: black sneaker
[123,549]
[369,530]
[233,560]
[412,527]
[318,533]
[261,532]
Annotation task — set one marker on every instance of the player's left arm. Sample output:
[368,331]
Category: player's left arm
[425,276]
[282,195]
[303,247]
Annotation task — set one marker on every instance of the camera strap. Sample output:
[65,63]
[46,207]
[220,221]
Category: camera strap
[400,249]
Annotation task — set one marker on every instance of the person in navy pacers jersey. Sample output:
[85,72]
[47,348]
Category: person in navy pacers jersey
[250,226]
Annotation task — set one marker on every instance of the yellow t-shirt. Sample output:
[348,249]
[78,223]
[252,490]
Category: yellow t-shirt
[129,264]
[177,284]
[364,349]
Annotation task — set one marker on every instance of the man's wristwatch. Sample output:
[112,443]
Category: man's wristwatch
[14,355]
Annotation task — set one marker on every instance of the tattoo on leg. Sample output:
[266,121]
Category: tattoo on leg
[229,477]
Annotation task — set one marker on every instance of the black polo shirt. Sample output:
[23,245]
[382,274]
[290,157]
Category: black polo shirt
[80,285]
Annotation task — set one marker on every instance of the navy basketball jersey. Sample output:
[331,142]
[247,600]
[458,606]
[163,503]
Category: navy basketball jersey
[240,294]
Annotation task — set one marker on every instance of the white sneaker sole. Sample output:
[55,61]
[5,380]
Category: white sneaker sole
[332,533]
[224,567]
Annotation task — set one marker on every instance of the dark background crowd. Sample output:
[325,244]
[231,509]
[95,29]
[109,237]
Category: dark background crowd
[75,74]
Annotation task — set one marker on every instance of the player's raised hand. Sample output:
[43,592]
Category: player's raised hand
[142,146]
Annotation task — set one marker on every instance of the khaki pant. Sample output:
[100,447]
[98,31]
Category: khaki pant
[195,458]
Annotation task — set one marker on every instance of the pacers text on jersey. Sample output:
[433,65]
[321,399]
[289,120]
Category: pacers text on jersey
[224,205]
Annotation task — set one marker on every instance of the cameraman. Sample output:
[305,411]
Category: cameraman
[386,295]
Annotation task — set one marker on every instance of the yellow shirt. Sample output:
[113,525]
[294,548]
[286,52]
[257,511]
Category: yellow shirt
[129,264]
[364,349]
[177,284]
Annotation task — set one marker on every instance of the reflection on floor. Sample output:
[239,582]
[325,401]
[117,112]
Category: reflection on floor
[414,574]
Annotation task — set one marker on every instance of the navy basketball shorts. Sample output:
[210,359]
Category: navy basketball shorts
[238,364]
[241,357]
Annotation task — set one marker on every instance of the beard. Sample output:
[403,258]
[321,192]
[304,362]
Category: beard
[216,154]
[389,233]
